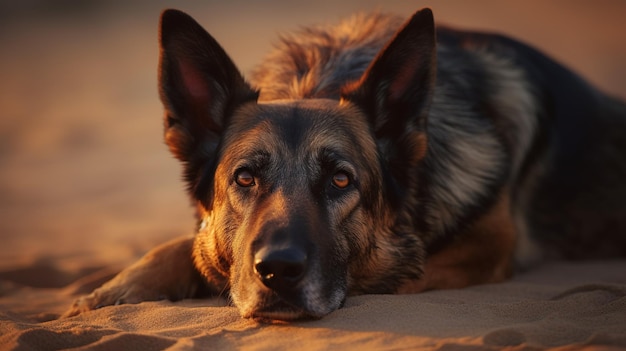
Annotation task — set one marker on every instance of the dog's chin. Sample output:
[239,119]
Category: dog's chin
[281,311]
[308,302]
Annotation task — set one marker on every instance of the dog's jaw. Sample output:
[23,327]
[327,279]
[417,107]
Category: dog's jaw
[280,311]
[309,301]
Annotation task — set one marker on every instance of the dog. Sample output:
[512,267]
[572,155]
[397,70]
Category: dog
[376,156]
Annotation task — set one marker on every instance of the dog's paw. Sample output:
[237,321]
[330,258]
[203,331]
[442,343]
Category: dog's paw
[89,302]
[166,272]
[109,296]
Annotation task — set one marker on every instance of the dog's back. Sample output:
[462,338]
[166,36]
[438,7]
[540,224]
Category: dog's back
[502,114]
[571,189]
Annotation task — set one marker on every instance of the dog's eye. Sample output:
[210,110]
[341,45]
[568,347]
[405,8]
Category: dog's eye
[341,180]
[244,178]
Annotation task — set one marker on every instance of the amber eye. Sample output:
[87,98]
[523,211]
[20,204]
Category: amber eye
[341,180]
[244,178]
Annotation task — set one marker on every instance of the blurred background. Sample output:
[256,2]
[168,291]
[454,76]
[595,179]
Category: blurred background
[84,174]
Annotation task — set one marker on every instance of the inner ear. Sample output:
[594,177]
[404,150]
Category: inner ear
[200,101]
[196,86]
[403,79]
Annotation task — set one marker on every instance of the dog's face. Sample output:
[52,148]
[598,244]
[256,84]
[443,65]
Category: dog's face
[288,202]
[300,199]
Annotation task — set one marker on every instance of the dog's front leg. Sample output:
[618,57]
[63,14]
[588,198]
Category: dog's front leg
[166,272]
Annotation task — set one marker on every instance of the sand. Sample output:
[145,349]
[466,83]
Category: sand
[87,186]
[564,306]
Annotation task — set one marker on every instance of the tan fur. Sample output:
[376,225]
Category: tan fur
[481,255]
[166,271]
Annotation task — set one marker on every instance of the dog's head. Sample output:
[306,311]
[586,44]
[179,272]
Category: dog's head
[302,201]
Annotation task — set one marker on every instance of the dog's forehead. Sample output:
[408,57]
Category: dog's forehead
[298,125]
[295,114]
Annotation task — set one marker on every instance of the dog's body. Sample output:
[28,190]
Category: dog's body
[369,158]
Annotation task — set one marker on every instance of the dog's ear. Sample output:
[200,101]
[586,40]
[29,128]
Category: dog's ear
[396,90]
[199,86]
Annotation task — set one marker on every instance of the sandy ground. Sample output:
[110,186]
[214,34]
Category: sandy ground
[85,179]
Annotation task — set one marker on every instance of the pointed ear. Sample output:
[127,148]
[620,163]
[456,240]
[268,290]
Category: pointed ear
[396,90]
[199,86]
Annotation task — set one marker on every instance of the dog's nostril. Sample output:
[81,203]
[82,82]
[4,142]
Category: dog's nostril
[280,268]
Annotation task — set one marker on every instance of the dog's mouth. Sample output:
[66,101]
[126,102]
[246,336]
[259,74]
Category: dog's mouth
[281,310]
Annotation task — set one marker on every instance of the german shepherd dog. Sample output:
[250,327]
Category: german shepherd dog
[376,157]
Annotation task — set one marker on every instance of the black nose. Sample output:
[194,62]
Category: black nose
[280,269]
